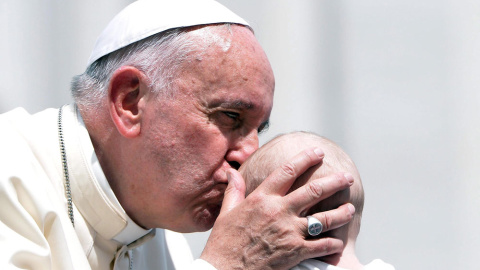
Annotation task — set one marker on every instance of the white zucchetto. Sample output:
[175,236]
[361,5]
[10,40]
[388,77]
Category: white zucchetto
[145,18]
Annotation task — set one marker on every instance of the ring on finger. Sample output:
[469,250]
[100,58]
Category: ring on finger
[314,226]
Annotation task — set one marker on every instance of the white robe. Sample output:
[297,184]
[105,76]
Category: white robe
[35,229]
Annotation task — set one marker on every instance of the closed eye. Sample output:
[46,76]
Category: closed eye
[228,119]
[263,127]
[232,115]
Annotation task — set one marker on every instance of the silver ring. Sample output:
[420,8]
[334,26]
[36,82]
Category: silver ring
[314,226]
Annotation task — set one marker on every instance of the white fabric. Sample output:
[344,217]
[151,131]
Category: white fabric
[132,230]
[312,264]
[35,230]
[144,18]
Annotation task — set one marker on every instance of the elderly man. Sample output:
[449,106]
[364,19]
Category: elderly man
[171,104]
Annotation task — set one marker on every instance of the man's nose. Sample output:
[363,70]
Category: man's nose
[241,149]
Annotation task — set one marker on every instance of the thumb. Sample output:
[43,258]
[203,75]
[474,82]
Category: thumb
[235,191]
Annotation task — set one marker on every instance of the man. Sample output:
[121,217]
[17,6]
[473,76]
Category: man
[271,155]
[169,107]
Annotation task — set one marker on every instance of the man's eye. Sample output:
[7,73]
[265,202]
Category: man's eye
[263,127]
[228,119]
[232,115]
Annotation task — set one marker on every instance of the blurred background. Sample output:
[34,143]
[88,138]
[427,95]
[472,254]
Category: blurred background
[395,83]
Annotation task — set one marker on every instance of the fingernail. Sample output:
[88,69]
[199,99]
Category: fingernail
[230,179]
[319,152]
[349,178]
[229,176]
[351,208]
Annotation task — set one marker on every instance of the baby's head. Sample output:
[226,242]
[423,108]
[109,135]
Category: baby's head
[282,148]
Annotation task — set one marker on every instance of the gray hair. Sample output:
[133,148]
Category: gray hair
[159,57]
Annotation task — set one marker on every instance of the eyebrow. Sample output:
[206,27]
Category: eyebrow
[236,104]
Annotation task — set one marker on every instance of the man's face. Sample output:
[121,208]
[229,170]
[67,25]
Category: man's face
[222,100]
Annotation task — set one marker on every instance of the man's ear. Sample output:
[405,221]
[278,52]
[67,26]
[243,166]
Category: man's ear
[126,98]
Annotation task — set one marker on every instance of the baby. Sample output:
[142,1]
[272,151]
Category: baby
[283,148]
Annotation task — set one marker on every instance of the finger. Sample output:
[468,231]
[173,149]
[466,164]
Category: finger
[280,181]
[322,247]
[332,219]
[316,190]
[235,191]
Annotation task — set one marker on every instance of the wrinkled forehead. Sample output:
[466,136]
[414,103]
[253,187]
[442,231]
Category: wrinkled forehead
[227,55]
[232,40]
[220,34]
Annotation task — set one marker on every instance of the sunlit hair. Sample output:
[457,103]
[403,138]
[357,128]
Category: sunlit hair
[159,57]
[282,148]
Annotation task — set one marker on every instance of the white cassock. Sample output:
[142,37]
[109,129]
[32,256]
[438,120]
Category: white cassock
[35,228]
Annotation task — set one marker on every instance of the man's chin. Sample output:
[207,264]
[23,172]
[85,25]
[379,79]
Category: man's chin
[204,220]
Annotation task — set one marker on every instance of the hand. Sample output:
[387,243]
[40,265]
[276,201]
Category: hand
[266,230]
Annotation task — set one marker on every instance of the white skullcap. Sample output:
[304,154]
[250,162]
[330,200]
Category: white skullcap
[145,18]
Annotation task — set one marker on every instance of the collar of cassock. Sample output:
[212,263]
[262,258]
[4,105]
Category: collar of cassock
[91,191]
